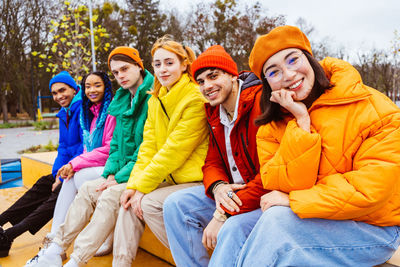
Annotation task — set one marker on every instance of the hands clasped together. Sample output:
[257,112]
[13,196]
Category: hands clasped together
[66,172]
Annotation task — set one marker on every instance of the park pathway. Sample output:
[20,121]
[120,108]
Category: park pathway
[13,140]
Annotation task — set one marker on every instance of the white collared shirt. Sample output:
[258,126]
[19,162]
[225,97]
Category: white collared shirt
[228,125]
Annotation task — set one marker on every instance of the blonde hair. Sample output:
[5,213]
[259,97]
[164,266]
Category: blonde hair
[184,53]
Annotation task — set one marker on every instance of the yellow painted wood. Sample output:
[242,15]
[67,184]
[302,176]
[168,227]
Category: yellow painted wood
[35,165]
[150,243]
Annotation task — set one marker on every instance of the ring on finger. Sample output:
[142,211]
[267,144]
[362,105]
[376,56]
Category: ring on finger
[229,194]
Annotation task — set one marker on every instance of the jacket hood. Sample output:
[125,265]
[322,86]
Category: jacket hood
[249,79]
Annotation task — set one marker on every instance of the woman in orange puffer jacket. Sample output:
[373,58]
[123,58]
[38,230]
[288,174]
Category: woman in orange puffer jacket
[329,149]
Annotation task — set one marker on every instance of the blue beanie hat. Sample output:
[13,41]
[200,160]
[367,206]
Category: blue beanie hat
[63,77]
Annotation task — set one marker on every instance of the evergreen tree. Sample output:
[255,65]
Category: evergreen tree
[145,25]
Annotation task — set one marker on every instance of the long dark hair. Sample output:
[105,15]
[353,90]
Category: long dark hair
[92,140]
[272,111]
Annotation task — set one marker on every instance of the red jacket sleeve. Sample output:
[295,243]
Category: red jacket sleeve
[213,169]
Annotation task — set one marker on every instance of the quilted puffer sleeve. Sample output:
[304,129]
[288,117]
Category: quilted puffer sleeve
[291,163]
[367,188]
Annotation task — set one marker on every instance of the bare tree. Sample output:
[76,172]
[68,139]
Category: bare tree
[224,23]
[145,26]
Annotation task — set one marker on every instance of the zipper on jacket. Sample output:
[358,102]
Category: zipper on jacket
[173,180]
[220,154]
[67,124]
[165,111]
[248,155]
[247,131]
[163,108]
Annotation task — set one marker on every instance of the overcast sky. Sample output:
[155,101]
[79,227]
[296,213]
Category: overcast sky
[358,25]
[355,24]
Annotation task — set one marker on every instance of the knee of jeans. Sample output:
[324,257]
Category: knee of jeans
[184,199]
[171,205]
[226,230]
[232,225]
[175,205]
[278,215]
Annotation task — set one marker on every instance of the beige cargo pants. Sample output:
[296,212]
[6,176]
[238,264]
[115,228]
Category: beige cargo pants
[100,209]
[129,228]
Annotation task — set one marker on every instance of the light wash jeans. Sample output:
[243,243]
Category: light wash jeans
[281,238]
[187,213]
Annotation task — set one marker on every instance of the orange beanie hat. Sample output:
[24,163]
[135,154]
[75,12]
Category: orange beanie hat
[127,51]
[277,39]
[215,57]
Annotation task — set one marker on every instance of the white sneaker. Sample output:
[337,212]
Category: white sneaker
[106,247]
[47,242]
[41,260]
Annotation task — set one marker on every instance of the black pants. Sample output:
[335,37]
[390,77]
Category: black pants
[35,208]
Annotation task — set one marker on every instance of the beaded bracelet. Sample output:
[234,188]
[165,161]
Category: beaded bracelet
[216,185]
[219,216]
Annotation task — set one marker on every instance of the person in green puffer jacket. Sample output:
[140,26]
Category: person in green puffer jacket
[100,198]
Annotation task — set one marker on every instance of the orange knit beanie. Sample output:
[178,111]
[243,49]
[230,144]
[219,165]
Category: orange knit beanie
[277,39]
[127,51]
[215,57]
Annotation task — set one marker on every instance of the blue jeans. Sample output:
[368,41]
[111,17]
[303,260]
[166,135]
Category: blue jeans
[186,213]
[281,238]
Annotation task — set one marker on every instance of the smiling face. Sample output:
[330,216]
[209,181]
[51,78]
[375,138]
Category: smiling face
[127,74]
[62,94]
[94,88]
[167,67]
[289,69]
[216,86]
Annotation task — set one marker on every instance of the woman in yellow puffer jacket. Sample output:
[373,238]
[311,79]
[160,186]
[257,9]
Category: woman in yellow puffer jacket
[329,151]
[173,151]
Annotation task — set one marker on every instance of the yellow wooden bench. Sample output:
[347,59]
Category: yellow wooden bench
[39,164]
